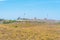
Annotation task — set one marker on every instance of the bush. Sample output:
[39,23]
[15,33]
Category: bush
[10,21]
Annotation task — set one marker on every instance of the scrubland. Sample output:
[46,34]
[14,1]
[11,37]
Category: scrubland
[29,31]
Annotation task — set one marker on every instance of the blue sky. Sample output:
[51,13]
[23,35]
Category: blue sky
[11,9]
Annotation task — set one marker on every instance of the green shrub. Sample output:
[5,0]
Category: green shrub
[9,21]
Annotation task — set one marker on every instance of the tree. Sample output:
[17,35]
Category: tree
[1,19]
[18,18]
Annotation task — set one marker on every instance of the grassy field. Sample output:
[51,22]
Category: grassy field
[29,31]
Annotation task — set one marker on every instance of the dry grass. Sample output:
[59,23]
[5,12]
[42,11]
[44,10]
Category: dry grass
[31,32]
